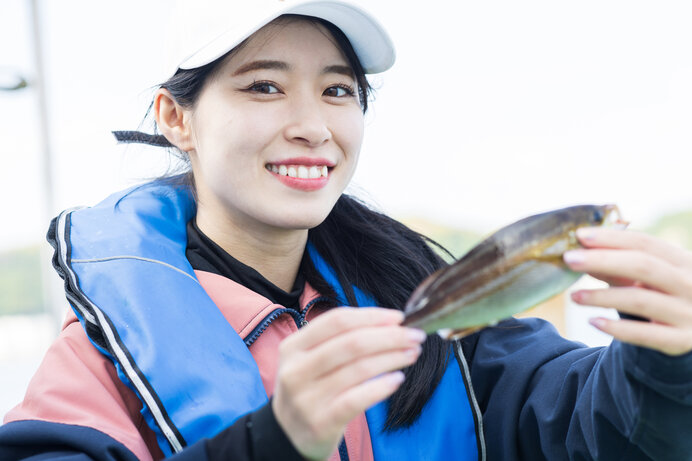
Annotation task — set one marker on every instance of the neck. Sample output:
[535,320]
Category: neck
[274,253]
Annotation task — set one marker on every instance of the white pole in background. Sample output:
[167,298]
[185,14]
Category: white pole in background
[52,293]
[40,87]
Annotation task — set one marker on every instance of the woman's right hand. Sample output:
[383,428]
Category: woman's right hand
[336,367]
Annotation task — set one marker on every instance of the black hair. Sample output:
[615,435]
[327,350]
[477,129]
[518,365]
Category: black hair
[366,248]
[386,259]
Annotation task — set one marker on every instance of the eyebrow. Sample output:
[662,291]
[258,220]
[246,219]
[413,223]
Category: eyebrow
[281,65]
[339,69]
[259,65]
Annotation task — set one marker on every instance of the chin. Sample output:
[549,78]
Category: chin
[303,221]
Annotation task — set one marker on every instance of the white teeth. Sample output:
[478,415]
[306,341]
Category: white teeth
[300,171]
[313,172]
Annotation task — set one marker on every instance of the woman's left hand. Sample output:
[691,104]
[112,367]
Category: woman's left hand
[648,278]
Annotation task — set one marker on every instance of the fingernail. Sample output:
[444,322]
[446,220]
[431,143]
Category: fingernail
[396,377]
[413,352]
[578,296]
[574,256]
[397,316]
[586,233]
[598,322]
[416,335]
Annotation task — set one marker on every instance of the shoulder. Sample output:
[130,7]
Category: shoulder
[76,385]
[519,350]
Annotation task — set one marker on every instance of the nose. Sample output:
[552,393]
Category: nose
[307,124]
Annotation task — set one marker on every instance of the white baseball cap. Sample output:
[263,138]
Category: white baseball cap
[208,29]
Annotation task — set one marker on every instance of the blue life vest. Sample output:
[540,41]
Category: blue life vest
[135,293]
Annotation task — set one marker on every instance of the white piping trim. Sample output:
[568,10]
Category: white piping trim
[138,383]
[85,313]
[120,354]
[140,258]
[474,401]
[62,245]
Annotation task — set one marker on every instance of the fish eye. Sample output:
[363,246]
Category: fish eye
[597,216]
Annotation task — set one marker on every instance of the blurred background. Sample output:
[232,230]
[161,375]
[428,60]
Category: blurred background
[493,111]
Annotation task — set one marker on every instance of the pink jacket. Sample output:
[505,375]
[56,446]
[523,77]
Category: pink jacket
[75,384]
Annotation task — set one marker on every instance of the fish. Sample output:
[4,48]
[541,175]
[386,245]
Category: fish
[512,270]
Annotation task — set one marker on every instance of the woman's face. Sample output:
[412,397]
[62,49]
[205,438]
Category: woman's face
[276,130]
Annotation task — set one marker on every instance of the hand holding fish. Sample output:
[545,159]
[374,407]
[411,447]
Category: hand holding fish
[648,278]
[335,368]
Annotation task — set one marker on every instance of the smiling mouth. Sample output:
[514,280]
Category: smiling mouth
[300,171]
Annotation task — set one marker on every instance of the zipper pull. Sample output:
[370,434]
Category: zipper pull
[303,322]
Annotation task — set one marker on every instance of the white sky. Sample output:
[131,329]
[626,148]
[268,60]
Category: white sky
[493,111]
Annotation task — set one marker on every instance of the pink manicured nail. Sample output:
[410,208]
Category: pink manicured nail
[598,322]
[574,257]
[577,296]
[416,335]
[586,233]
[414,351]
[396,316]
[396,377]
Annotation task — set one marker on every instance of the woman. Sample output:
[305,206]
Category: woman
[204,306]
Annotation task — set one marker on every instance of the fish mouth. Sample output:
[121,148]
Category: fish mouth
[613,217]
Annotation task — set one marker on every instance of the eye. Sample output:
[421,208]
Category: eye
[263,88]
[597,216]
[339,91]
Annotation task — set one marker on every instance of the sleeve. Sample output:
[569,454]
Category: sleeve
[544,397]
[77,409]
[39,440]
[256,436]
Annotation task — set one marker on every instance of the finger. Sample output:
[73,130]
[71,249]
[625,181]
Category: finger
[615,281]
[351,403]
[634,265]
[641,302]
[336,321]
[663,338]
[604,237]
[358,372]
[355,345]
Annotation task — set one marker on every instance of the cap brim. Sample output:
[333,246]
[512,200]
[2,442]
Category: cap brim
[369,39]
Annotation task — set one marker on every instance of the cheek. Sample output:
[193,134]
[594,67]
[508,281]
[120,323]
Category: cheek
[233,137]
[350,135]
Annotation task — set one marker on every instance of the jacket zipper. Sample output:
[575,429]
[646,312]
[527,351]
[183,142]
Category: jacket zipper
[301,321]
[264,324]
[298,317]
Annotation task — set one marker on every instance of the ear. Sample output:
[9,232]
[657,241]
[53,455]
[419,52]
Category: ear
[173,120]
